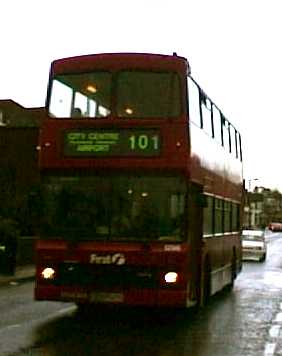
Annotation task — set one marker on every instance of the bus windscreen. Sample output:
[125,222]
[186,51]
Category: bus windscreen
[135,208]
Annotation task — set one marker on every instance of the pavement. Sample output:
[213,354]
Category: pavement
[22,273]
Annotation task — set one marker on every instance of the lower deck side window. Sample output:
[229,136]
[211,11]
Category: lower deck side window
[220,216]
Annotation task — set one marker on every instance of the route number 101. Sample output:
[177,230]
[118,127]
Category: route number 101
[144,142]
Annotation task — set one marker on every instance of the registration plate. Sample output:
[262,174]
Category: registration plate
[106,297]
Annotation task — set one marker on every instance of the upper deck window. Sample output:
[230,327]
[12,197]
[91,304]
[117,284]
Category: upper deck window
[81,95]
[206,109]
[125,94]
[225,133]
[194,102]
[148,94]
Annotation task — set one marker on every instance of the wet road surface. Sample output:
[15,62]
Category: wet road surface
[244,322]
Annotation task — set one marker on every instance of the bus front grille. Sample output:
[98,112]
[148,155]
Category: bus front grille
[104,276]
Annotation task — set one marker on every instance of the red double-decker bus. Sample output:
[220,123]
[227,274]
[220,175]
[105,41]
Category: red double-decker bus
[141,185]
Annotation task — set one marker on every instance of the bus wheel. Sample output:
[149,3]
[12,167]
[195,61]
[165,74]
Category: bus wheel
[206,284]
[233,271]
[262,259]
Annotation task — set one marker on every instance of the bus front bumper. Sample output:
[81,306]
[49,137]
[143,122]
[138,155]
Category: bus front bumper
[133,296]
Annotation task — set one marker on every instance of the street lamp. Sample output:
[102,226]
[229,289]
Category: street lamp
[251,211]
[251,180]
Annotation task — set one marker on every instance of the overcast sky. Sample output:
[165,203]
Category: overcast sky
[233,46]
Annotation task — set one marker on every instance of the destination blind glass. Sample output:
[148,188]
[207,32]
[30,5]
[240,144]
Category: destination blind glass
[124,142]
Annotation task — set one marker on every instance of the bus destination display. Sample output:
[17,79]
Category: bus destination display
[120,142]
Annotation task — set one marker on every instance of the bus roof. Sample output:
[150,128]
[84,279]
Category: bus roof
[118,61]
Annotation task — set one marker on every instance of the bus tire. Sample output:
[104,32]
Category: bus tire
[262,259]
[206,284]
[233,271]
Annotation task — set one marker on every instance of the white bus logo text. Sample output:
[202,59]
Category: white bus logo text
[115,259]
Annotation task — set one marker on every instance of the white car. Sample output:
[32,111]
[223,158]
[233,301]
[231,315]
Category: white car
[254,245]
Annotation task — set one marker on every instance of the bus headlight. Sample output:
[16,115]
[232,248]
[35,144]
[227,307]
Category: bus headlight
[48,273]
[171,277]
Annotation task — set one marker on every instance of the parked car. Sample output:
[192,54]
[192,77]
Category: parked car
[254,245]
[274,226]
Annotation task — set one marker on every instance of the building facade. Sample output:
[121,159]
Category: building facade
[19,173]
[262,206]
